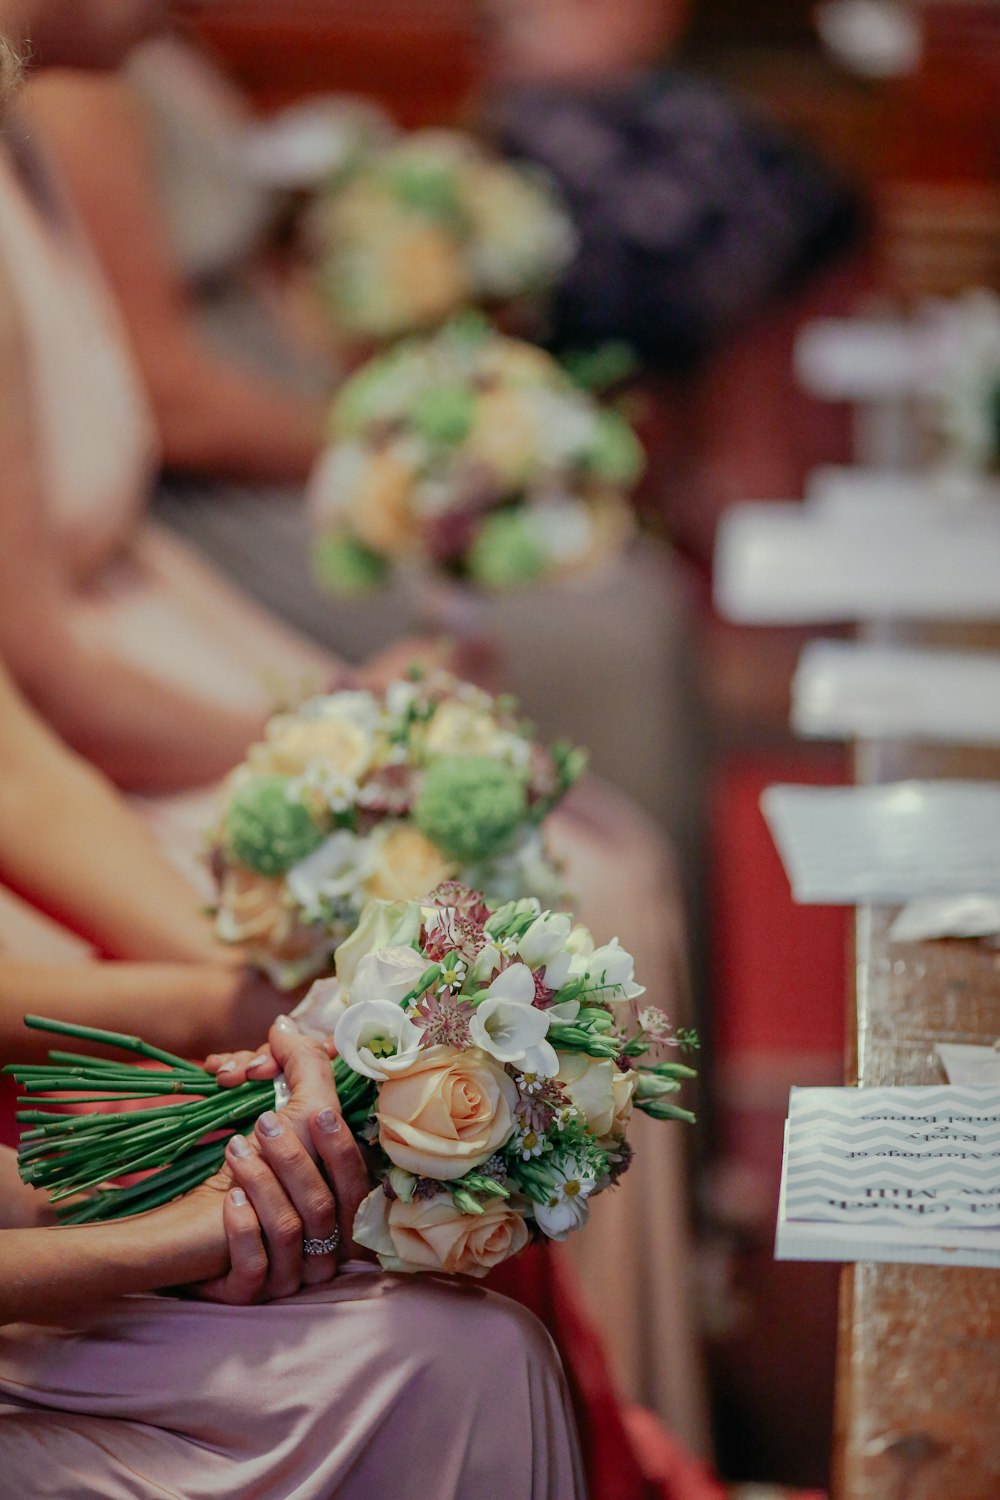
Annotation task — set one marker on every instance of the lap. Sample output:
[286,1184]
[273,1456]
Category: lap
[371,1385]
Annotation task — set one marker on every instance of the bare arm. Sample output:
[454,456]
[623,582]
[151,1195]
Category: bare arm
[191,1009]
[49,1274]
[142,731]
[70,845]
[580,41]
[214,414]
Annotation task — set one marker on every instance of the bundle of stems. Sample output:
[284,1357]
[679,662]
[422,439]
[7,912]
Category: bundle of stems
[177,1144]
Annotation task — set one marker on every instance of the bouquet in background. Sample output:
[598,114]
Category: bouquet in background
[358,795]
[489,1060]
[430,223]
[474,456]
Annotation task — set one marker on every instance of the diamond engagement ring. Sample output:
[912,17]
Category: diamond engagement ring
[322,1247]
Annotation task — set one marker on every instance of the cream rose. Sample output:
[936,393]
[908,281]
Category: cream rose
[381,513]
[408,864]
[253,910]
[463,729]
[383,924]
[430,1234]
[590,1084]
[447,1113]
[293,744]
[623,1090]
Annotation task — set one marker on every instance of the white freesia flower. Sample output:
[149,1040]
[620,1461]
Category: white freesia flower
[335,482]
[383,924]
[399,695]
[377,1039]
[322,1007]
[543,946]
[567,1208]
[610,972]
[333,872]
[508,1026]
[387,974]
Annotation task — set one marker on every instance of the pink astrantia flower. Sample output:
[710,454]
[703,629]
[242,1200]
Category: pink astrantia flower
[445,1022]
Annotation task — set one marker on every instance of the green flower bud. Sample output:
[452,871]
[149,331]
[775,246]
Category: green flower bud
[345,566]
[443,414]
[266,830]
[470,806]
[428,187]
[652,1086]
[615,454]
[506,552]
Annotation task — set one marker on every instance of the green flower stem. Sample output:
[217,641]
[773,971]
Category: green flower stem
[155,1157]
[121,1040]
[151,1193]
[74,1154]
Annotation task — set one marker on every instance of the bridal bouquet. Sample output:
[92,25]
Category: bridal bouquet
[358,795]
[472,455]
[488,1060]
[429,223]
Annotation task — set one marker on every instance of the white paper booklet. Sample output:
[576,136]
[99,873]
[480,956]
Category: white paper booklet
[965,1064]
[887,844]
[782,563]
[854,491]
[894,1174]
[853,690]
[862,359]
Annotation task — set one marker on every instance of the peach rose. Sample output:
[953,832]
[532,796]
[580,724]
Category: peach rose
[293,744]
[430,1234]
[380,510]
[447,1114]
[253,911]
[409,865]
[505,435]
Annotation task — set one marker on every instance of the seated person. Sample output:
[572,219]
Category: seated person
[144,660]
[361,1385]
[213,413]
[81,878]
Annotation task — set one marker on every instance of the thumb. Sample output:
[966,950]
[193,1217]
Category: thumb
[304,1062]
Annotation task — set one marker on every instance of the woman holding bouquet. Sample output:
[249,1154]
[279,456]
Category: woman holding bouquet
[159,673]
[359,1386]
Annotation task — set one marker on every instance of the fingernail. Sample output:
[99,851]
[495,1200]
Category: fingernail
[238,1145]
[328,1121]
[238,1198]
[285,1023]
[269,1124]
[260,1058]
[227,1067]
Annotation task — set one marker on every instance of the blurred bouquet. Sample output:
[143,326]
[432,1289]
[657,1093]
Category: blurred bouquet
[359,795]
[429,223]
[962,390]
[490,1060]
[473,455]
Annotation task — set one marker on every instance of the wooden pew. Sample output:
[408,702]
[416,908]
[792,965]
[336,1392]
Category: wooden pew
[918,1377]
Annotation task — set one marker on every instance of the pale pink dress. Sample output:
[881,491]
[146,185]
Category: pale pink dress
[373,1388]
[148,595]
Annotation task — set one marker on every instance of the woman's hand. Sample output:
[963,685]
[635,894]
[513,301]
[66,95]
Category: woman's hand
[275,1170]
[279,1199]
[232,1068]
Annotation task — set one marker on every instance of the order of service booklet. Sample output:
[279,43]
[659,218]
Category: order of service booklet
[893,1174]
